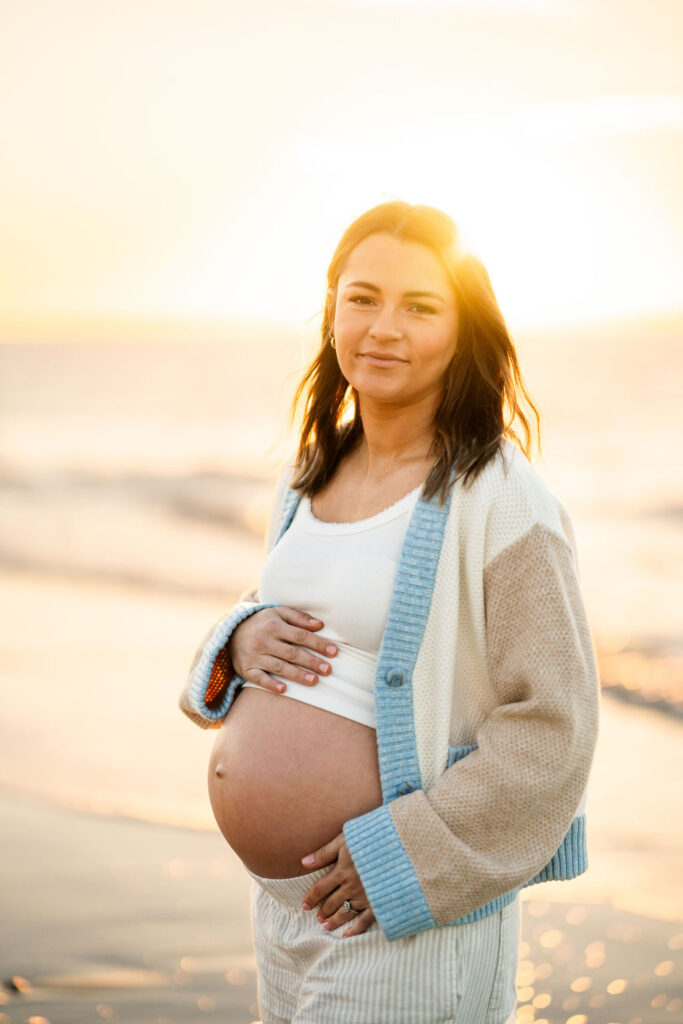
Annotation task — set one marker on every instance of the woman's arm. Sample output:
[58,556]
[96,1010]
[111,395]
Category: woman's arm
[496,817]
[212,683]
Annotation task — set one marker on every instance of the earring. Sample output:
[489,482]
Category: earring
[332,341]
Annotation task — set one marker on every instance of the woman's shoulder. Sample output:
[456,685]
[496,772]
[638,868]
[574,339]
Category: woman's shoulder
[512,498]
[509,477]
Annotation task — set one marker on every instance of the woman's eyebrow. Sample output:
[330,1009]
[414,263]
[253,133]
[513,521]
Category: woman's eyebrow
[406,295]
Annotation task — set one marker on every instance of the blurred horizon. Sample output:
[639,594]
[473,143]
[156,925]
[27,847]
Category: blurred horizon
[170,329]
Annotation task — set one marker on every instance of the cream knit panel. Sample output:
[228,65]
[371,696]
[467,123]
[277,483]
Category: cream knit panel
[452,689]
[518,499]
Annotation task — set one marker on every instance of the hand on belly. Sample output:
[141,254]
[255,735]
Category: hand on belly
[342,882]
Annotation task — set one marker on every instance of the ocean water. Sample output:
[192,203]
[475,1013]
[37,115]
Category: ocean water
[136,481]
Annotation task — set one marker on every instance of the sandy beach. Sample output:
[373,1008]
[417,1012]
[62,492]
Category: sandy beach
[106,917]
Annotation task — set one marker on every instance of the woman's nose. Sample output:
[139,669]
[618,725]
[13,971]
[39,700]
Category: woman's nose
[385,325]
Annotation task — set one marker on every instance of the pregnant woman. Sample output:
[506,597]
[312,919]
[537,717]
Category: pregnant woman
[420,605]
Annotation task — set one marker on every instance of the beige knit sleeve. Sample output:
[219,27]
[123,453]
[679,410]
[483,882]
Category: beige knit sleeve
[497,816]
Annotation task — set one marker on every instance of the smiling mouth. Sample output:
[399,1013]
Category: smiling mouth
[381,360]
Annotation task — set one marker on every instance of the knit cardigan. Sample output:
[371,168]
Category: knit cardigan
[486,698]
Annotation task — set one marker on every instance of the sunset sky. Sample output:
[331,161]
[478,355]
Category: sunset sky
[161,159]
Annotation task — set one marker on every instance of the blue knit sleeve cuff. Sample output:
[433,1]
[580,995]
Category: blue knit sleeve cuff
[192,700]
[387,874]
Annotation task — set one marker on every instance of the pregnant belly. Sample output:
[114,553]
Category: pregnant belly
[284,776]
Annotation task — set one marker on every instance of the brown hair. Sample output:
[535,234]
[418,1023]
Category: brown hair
[483,380]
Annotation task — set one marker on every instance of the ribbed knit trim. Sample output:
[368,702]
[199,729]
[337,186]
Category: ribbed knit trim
[405,625]
[388,876]
[392,887]
[571,858]
[202,673]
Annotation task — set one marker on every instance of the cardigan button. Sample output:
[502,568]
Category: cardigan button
[404,788]
[395,677]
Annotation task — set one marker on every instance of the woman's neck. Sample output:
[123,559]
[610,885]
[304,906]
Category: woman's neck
[393,438]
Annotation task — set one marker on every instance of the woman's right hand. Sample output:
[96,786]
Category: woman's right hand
[280,640]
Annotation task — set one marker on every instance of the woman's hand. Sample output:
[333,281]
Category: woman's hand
[279,640]
[341,883]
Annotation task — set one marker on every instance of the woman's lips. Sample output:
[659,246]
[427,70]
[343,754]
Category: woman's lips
[377,361]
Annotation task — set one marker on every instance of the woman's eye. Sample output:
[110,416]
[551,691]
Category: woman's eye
[363,299]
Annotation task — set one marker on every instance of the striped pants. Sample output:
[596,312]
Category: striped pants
[457,974]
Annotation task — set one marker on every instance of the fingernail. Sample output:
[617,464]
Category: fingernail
[330,649]
[306,906]
[308,859]
[309,677]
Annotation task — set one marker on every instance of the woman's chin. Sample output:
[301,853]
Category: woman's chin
[380,390]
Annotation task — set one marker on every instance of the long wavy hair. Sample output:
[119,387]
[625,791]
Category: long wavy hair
[483,383]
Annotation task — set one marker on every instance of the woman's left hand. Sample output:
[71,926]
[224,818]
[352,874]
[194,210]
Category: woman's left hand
[341,883]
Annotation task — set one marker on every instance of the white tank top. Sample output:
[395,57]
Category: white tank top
[343,574]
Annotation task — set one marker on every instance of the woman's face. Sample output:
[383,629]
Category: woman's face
[378,310]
